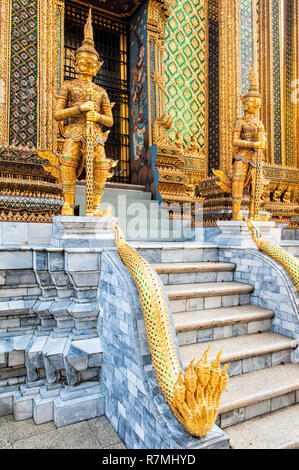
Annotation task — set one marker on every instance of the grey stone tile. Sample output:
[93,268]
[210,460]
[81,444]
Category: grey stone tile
[222,332]
[226,276]
[257,409]
[232,417]
[240,329]
[282,401]
[256,326]
[77,436]
[194,304]
[187,337]
[171,256]
[244,299]
[235,368]
[212,302]
[16,430]
[192,255]
[205,335]
[281,357]
[104,432]
[178,305]
[230,300]
[255,363]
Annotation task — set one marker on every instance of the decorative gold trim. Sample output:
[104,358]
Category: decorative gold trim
[282,84]
[266,72]
[230,77]
[5,54]
[50,51]
[296,78]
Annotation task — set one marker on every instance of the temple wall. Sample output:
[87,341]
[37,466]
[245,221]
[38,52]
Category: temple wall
[143,104]
[273,288]
[30,70]
[186,68]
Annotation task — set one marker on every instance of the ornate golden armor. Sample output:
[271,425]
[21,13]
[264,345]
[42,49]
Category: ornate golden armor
[86,106]
[248,140]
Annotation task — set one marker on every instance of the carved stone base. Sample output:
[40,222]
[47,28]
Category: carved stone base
[82,232]
[236,233]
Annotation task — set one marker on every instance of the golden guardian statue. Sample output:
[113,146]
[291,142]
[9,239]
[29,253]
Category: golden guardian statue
[86,106]
[249,141]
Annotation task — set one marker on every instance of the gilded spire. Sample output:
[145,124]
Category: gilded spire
[88,41]
[253,80]
[88,31]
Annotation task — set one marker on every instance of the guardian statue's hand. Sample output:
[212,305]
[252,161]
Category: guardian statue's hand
[92,116]
[88,106]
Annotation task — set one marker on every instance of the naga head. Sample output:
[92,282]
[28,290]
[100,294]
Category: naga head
[203,369]
[179,389]
[191,378]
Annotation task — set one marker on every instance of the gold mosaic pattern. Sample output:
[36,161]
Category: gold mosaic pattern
[185,67]
[193,396]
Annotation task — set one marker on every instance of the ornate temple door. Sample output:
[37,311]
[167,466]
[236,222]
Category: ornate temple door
[110,37]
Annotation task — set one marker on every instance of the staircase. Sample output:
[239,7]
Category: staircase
[139,217]
[258,409]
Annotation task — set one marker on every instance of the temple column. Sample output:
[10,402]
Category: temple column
[229,77]
[30,69]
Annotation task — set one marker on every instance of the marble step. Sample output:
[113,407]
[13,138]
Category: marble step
[186,273]
[176,252]
[220,323]
[244,353]
[259,392]
[276,430]
[188,297]
[134,193]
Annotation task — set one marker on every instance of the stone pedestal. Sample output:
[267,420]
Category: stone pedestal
[236,233]
[82,232]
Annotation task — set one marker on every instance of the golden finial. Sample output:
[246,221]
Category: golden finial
[88,41]
[253,80]
[88,30]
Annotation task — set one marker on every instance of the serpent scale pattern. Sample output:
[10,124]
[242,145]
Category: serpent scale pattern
[193,396]
[285,259]
[164,358]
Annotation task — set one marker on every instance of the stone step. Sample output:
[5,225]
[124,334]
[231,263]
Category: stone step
[188,297]
[185,273]
[176,252]
[220,323]
[244,353]
[276,430]
[259,392]
[110,192]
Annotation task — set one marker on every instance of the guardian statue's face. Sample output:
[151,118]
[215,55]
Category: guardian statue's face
[87,64]
[252,104]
